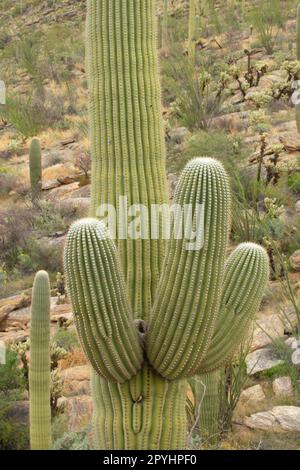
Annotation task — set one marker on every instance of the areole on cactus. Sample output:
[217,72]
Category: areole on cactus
[149,312]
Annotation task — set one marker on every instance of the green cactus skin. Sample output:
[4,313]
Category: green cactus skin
[183,318]
[246,276]
[35,166]
[298,58]
[141,366]
[102,313]
[127,140]
[147,412]
[192,30]
[39,365]
[210,406]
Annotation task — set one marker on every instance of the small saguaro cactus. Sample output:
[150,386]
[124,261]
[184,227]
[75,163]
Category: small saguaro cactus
[149,312]
[35,166]
[39,364]
[298,58]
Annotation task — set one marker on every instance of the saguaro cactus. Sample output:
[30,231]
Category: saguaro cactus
[298,58]
[35,166]
[143,336]
[192,30]
[39,365]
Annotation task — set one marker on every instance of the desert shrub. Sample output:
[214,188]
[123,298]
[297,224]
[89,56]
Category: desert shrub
[267,17]
[195,94]
[66,339]
[294,182]
[13,436]
[72,441]
[8,183]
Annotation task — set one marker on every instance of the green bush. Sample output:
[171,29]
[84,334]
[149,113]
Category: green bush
[72,441]
[294,182]
[13,436]
[66,339]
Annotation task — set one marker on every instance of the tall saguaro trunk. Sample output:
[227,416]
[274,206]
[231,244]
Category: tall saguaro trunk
[128,149]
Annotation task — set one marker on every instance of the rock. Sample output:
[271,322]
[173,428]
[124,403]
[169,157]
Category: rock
[178,135]
[295,260]
[11,337]
[290,141]
[289,318]
[76,380]
[296,357]
[267,329]
[253,394]
[297,206]
[283,387]
[261,360]
[10,305]
[79,411]
[172,181]
[19,412]
[279,419]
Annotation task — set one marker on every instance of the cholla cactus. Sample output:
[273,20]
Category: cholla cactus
[39,365]
[148,322]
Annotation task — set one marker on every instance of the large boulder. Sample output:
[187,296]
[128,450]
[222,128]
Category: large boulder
[252,395]
[76,381]
[279,419]
[267,329]
[282,386]
[261,360]
[295,260]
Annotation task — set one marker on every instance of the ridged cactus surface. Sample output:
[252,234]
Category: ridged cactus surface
[35,166]
[101,308]
[188,296]
[127,141]
[39,365]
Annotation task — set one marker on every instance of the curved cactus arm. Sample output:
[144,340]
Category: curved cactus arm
[39,364]
[247,274]
[187,299]
[100,305]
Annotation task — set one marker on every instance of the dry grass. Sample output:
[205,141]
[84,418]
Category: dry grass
[74,358]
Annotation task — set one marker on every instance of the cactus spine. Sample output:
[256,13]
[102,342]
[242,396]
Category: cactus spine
[144,337]
[35,166]
[192,30]
[39,364]
[298,58]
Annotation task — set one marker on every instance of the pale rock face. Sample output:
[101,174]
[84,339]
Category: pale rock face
[279,419]
[76,381]
[297,206]
[252,395]
[266,330]
[261,359]
[283,387]
[295,260]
